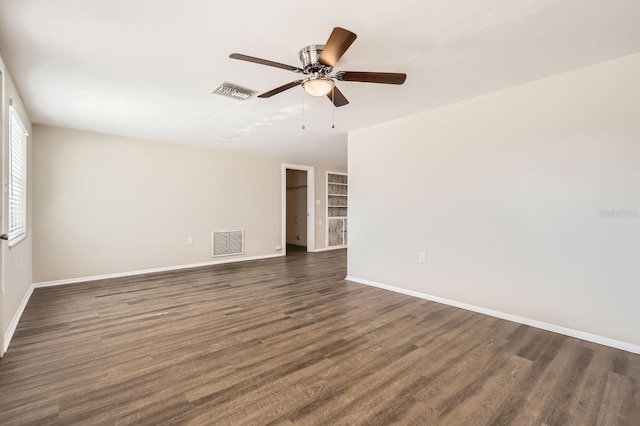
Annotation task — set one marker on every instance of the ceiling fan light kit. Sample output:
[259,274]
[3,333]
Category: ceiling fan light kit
[318,61]
[318,86]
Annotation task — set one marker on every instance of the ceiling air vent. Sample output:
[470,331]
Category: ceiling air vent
[232,91]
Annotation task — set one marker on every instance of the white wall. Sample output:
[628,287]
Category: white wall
[504,194]
[18,259]
[105,204]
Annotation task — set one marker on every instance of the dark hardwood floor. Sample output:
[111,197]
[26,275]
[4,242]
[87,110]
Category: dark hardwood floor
[288,341]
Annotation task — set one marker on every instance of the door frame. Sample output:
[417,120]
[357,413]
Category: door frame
[3,245]
[311,194]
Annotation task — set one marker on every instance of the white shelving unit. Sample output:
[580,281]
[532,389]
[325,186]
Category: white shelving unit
[337,197]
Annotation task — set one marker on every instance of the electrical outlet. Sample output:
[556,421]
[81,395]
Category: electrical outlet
[422,257]
[189,240]
[278,248]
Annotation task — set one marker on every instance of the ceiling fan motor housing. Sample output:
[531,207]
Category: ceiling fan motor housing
[310,56]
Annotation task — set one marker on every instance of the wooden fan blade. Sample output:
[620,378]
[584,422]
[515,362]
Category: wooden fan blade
[282,88]
[263,62]
[338,43]
[337,97]
[372,77]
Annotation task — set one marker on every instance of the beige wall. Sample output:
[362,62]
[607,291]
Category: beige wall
[106,204]
[504,193]
[17,260]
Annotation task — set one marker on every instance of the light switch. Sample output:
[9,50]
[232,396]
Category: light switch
[317,202]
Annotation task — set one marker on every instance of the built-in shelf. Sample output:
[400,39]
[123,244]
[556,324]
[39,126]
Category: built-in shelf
[337,200]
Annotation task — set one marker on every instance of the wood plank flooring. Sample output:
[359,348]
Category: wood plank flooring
[287,341]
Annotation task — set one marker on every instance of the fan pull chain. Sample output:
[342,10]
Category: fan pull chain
[303,112]
[333,107]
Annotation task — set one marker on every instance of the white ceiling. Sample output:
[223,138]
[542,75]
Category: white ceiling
[144,68]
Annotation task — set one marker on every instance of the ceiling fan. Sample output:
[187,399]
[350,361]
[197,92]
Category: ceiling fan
[318,61]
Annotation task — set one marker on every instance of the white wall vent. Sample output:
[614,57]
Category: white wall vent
[227,243]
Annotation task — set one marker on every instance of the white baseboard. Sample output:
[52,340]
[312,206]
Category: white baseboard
[152,270]
[16,318]
[625,346]
[331,248]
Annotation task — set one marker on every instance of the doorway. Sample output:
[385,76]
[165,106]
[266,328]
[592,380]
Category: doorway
[296,210]
[298,229]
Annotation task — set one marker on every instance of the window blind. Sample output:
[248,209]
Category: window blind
[17,178]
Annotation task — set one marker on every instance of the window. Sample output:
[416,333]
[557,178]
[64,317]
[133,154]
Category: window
[17,178]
